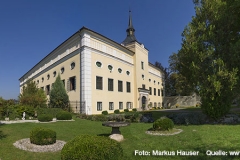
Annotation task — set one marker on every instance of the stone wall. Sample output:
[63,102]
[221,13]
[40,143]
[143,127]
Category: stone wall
[181,101]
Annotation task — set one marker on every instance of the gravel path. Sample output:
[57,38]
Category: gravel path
[25,144]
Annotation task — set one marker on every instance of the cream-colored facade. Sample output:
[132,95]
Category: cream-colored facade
[103,74]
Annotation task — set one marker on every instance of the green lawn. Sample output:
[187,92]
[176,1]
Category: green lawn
[193,138]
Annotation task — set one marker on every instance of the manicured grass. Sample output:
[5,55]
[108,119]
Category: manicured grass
[193,138]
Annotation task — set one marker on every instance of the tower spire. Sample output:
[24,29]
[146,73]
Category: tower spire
[130,31]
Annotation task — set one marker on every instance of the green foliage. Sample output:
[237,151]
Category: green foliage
[188,118]
[29,110]
[45,117]
[163,124]
[6,107]
[134,110]
[99,117]
[32,95]
[51,111]
[126,110]
[42,136]
[64,115]
[91,147]
[105,112]
[116,117]
[58,95]
[116,111]
[132,117]
[204,61]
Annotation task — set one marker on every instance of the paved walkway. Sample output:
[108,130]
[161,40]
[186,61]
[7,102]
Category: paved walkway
[33,121]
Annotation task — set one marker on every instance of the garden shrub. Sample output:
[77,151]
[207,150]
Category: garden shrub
[52,111]
[116,111]
[89,117]
[163,124]
[126,110]
[82,116]
[42,136]
[134,110]
[116,117]
[105,112]
[100,117]
[90,147]
[133,116]
[64,115]
[188,118]
[45,117]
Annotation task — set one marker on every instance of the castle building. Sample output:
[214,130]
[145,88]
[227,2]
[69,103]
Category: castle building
[101,73]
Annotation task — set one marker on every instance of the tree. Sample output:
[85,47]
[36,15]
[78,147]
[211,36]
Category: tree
[209,56]
[32,95]
[58,95]
[174,83]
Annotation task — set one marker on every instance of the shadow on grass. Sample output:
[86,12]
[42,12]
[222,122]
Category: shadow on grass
[2,135]
[104,134]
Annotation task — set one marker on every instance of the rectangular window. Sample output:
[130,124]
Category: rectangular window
[72,83]
[150,88]
[99,106]
[128,87]
[154,91]
[110,84]
[142,65]
[129,105]
[99,83]
[47,89]
[158,92]
[120,86]
[111,106]
[143,86]
[162,92]
[120,105]
[159,104]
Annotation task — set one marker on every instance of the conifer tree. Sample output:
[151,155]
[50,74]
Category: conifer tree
[58,95]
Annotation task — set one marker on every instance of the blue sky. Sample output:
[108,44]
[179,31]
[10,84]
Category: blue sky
[31,29]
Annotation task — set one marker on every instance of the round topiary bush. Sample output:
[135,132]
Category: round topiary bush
[45,117]
[163,124]
[42,136]
[64,115]
[91,147]
[105,112]
[116,111]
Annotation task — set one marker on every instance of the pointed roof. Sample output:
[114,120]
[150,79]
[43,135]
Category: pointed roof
[130,32]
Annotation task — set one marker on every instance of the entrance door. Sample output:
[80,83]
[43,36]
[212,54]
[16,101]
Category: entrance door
[144,102]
